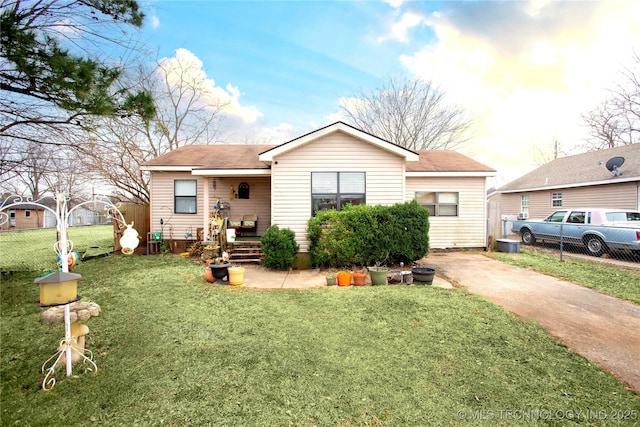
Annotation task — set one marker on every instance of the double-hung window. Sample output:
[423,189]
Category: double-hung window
[439,203]
[334,190]
[524,204]
[185,196]
[556,200]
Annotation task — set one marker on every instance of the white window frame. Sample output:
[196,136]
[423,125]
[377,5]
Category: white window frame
[439,206]
[339,197]
[182,195]
[556,199]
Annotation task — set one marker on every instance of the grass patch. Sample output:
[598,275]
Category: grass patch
[32,250]
[614,281]
[174,350]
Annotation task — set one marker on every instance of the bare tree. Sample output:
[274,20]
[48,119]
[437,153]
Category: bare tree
[43,169]
[411,113]
[187,112]
[616,121]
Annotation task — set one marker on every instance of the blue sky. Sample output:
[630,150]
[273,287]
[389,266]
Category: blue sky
[525,70]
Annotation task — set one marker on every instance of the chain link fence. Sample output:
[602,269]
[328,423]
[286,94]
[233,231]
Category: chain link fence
[33,250]
[615,242]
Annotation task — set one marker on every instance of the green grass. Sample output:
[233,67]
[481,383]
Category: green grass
[32,250]
[173,350]
[614,281]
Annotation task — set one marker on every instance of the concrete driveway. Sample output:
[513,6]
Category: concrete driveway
[601,328]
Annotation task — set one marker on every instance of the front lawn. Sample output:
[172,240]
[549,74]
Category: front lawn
[615,281]
[173,350]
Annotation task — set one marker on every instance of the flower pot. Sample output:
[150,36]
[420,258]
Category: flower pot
[359,278]
[208,275]
[423,275]
[236,276]
[332,280]
[378,275]
[220,271]
[344,278]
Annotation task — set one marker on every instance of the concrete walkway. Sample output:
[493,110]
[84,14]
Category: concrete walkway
[601,328]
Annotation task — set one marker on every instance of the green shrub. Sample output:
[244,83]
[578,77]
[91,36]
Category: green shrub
[366,235]
[279,247]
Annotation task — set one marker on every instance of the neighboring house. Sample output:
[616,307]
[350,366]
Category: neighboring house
[23,217]
[338,164]
[577,181]
[28,216]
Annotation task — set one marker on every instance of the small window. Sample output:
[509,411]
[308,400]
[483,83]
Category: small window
[27,214]
[524,203]
[185,198]
[556,200]
[334,190]
[243,190]
[439,203]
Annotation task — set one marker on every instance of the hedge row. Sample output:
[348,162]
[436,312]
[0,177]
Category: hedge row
[368,235]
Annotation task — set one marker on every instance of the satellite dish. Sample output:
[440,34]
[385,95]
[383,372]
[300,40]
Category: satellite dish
[614,163]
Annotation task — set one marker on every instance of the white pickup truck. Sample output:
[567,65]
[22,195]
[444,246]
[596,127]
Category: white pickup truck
[598,230]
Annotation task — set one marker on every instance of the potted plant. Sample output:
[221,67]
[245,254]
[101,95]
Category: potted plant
[379,272]
[378,275]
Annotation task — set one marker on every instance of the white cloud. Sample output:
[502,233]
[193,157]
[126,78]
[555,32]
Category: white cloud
[529,83]
[399,30]
[394,3]
[185,67]
[155,22]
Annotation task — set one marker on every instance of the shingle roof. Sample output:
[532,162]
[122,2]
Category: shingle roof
[446,161]
[219,156]
[580,169]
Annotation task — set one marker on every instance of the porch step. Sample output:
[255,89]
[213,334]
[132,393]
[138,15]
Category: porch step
[244,251]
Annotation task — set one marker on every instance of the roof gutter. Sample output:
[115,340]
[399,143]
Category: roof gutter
[449,174]
[581,184]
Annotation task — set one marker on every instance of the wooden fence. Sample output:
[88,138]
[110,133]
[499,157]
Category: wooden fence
[141,218]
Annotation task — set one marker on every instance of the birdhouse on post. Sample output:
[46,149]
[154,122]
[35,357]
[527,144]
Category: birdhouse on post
[58,288]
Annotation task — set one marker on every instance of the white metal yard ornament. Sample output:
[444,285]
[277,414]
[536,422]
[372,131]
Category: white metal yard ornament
[64,247]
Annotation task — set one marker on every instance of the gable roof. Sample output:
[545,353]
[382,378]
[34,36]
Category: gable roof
[408,155]
[580,170]
[252,159]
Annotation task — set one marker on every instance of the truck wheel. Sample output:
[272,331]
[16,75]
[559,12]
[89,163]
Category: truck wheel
[595,246]
[527,236]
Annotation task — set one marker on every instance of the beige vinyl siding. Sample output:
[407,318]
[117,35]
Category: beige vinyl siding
[623,195]
[175,225]
[337,152]
[259,201]
[468,229]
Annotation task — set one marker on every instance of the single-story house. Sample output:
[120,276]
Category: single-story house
[578,181]
[338,164]
[23,217]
